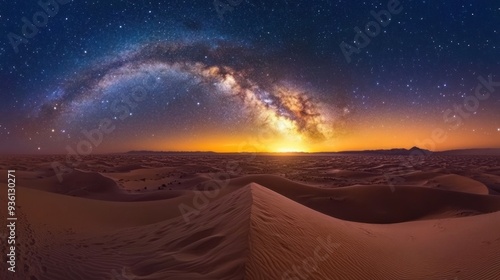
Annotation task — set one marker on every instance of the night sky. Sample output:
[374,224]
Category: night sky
[113,76]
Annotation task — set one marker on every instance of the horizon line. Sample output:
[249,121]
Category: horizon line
[131,152]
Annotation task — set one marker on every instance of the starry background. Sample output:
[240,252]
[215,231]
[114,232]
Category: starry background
[175,75]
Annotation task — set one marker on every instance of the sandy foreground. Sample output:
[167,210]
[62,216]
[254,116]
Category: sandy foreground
[126,217]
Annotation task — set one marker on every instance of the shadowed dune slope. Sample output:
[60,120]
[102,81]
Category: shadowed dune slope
[378,203]
[93,185]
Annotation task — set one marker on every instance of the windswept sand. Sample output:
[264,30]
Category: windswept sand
[119,217]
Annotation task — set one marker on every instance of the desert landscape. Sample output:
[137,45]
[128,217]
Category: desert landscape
[247,216]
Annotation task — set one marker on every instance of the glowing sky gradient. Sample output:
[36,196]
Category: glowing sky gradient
[268,77]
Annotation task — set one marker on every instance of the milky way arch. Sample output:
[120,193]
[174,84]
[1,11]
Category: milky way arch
[224,69]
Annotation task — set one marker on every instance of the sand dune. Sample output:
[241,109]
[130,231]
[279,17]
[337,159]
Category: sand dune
[375,203]
[307,245]
[101,223]
[97,239]
[378,203]
[460,183]
[251,233]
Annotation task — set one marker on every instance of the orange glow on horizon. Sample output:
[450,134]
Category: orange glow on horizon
[377,134]
[362,140]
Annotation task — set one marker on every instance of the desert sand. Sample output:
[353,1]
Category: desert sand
[295,217]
